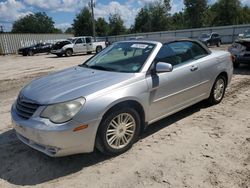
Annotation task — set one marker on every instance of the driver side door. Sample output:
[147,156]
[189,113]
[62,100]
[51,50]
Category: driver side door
[173,91]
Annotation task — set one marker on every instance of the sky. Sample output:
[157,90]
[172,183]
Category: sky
[64,11]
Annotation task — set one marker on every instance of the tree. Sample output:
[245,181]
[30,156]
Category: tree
[178,21]
[227,12]
[34,23]
[69,30]
[102,27]
[194,12]
[116,25]
[153,17]
[143,21]
[82,24]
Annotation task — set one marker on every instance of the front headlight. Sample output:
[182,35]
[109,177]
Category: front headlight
[62,112]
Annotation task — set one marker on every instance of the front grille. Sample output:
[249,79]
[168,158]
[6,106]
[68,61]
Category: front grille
[25,108]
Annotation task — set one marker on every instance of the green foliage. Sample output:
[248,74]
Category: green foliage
[69,30]
[154,17]
[102,27]
[82,24]
[195,12]
[34,23]
[116,25]
[178,21]
[227,12]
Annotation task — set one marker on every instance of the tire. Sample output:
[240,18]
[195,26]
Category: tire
[114,138]
[218,90]
[59,55]
[24,54]
[218,44]
[98,49]
[30,53]
[68,53]
[89,52]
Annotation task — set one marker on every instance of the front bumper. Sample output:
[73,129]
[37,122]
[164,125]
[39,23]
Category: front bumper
[57,52]
[55,141]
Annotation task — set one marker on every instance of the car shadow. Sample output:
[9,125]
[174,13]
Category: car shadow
[244,69]
[21,165]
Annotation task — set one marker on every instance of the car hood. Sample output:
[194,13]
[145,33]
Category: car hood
[72,83]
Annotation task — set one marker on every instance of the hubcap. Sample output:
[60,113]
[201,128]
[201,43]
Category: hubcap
[219,89]
[120,131]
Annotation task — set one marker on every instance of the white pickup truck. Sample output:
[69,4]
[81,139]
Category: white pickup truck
[74,45]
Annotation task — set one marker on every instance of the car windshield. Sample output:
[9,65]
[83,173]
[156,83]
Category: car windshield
[205,35]
[72,39]
[121,57]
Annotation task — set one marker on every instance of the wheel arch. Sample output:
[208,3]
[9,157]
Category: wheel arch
[224,74]
[128,103]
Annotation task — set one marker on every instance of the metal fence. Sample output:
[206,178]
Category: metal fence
[10,43]
[227,33]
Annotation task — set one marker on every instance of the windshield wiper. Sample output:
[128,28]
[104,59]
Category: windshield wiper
[83,65]
[101,68]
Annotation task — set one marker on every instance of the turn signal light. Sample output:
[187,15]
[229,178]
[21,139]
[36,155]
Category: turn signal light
[80,128]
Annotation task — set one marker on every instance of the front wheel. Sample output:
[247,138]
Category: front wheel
[98,49]
[68,52]
[218,90]
[118,131]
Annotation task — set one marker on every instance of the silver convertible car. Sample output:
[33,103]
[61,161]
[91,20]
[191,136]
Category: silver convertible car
[108,100]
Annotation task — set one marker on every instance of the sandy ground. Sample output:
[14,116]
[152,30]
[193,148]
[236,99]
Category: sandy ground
[202,146]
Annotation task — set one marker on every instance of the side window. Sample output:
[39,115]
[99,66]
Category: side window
[79,41]
[177,53]
[182,51]
[198,51]
[88,40]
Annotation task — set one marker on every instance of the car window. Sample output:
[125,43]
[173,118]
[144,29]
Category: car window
[177,53]
[216,35]
[79,41]
[88,40]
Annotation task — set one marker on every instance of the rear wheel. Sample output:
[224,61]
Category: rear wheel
[59,55]
[89,52]
[218,44]
[218,90]
[118,131]
[68,52]
[30,53]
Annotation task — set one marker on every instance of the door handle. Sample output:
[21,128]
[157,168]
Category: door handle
[194,68]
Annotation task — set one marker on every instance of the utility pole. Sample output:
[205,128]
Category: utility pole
[1,29]
[92,5]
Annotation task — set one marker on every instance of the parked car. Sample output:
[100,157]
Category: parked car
[244,35]
[34,49]
[108,100]
[211,39]
[240,49]
[77,45]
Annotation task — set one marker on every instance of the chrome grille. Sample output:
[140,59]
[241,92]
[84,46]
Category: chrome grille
[25,108]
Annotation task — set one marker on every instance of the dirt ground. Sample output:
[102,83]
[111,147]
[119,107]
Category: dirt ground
[202,146]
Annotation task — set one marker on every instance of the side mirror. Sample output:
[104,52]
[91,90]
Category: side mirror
[163,67]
